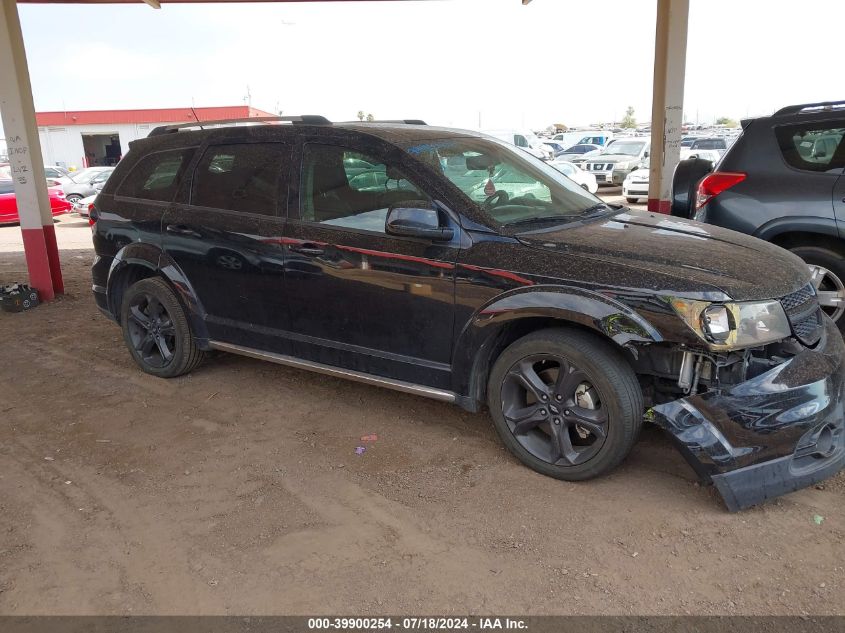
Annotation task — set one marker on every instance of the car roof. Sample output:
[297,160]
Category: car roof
[394,133]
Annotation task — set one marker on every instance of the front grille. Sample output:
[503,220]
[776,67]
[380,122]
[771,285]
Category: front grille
[804,314]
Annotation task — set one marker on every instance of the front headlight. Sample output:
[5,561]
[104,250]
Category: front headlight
[725,326]
[622,165]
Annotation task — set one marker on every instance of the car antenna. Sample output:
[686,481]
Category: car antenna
[194,112]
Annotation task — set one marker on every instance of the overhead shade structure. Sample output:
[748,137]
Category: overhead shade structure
[18,115]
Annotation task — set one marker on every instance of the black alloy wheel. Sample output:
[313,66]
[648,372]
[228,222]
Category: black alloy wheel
[151,330]
[565,402]
[156,329]
[553,410]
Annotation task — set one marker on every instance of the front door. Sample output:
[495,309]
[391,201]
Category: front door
[359,298]
[214,237]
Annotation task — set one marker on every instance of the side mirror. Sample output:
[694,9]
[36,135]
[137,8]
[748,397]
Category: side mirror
[416,218]
[645,154]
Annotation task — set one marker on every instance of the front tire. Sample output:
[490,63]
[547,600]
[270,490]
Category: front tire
[73,199]
[565,403]
[631,200]
[828,270]
[156,330]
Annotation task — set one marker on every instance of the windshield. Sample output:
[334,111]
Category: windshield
[507,185]
[626,148]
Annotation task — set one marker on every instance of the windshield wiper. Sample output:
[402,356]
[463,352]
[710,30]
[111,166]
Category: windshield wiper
[548,218]
[600,207]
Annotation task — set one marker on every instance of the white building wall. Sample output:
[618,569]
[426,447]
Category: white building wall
[63,145]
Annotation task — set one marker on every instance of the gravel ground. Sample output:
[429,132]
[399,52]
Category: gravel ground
[237,490]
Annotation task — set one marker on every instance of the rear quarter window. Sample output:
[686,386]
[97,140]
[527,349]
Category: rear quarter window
[157,176]
[813,146]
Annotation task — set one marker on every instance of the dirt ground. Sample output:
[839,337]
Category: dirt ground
[237,490]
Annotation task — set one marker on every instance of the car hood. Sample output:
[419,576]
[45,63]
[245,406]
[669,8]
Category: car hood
[612,158]
[654,251]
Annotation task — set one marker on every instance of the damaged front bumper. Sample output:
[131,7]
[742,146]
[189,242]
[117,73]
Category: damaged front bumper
[776,433]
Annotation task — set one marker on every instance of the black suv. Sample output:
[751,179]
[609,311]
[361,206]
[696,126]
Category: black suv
[451,265]
[782,181]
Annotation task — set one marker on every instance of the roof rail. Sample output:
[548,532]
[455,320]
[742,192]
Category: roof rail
[821,105]
[400,121]
[306,119]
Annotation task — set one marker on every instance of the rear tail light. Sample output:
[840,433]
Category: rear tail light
[92,214]
[715,183]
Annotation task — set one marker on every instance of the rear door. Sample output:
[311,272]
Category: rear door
[213,235]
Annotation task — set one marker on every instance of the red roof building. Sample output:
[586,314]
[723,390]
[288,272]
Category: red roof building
[150,115]
[84,138]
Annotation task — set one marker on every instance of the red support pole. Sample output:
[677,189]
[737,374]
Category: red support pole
[25,159]
[38,262]
[53,258]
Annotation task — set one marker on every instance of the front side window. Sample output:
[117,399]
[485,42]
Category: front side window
[345,188]
[156,176]
[239,177]
[509,186]
[813,146]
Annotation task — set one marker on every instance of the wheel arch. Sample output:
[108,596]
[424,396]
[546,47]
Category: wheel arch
[792,239]
[511,316]
[783,229]
[138,261]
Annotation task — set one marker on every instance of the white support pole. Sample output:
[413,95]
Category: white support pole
[667,107]
[18,114]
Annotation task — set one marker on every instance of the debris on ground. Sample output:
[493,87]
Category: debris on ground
[359,450]
[18,297]
[372,437]
[817,519]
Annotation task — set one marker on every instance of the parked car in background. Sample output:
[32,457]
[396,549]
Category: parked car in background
[83,206]
[9,206]
[782,181]
[524,139]
[708,148]
[557,148]
[86,182]
[635,185]
[579,151]
[617,160]
[580,137]
[576,174]
[566,317]
[57,176]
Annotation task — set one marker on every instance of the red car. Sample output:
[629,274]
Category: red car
[9,207]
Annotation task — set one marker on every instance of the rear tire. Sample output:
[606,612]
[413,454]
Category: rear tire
[631,200]
[73,199]
[560,433]
[156,330]
[833,264]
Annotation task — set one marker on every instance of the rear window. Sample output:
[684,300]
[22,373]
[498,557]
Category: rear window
[813,146]
[239,177]
[157,176]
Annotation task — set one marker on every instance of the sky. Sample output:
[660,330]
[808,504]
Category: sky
[461,63]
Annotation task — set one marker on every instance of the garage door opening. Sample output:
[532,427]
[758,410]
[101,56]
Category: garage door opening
[101,149]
